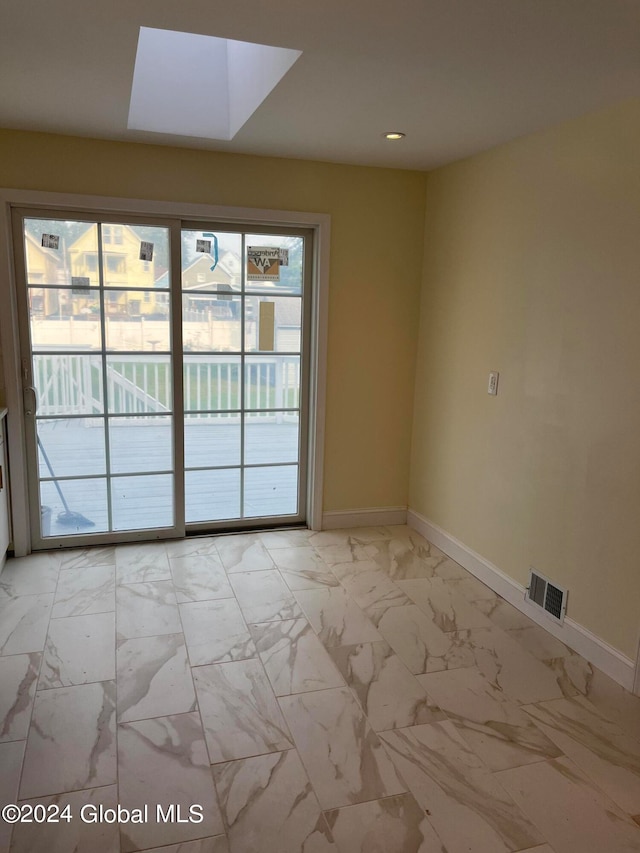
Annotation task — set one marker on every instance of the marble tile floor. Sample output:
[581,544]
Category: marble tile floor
[352,691]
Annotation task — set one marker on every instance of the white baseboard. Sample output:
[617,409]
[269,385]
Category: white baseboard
[372,517]
[612,662]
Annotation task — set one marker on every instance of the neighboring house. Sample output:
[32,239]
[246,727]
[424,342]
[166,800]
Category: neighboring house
[199,276]
[287,332]
[43,267]
[122,268]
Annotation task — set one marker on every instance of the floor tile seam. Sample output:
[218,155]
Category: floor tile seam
[138,582]
[77,569]
[406,793]
[353,692]
[176,844]
[306,770]
[81,684]
[206,747]
[65,793]
[80,616]
[195,691]
[515,631]
[23,595]
[451,718]
[118,725]
[353,602]
[609,804]
[267,681]
[19,779]
[224,662]
[15,740]
[291,748]
[76,686]
[366,718]
[196,600]
[8,597]
[315,690]
[120,722]
[578,764]
[74,615]
[323,568]
[489,773]
[496,628]
[298,572]
[390,652]
[44,649]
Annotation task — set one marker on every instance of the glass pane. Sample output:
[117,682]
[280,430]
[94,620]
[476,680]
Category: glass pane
[70,447]
[211,322]
[73,254]
[197,274]
[274,328]
[271,491]
[135,256]
[212,495]
[289,273]
[64,319]
[211,440]
[140,444]
[272,382]
[139,384]
[86,510]
[270,438]
[211,383]
[142,502]
[137,320]
[68,384]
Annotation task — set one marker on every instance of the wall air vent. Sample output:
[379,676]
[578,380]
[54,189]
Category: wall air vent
[549,596]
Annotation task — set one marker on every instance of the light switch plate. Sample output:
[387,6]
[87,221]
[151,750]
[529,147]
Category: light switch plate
[493,383]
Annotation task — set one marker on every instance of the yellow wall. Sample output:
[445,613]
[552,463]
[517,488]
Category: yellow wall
[376,258]
[532,268]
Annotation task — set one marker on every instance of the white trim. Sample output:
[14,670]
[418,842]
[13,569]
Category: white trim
[319,222]
[16,449]
[373,517]
[580,639]
[318,374]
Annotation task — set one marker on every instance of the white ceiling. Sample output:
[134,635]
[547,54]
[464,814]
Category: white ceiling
[457,76]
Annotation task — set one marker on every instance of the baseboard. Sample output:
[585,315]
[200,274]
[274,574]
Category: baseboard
[372,517]
[612,662]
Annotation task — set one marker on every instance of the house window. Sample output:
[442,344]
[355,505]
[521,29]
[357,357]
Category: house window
[115,263]
[91,262]
[112,234]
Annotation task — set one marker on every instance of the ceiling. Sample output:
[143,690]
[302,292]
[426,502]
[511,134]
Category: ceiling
[457,76]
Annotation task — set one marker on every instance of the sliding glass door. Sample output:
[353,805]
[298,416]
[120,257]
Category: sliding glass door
[119,334]
[243,332]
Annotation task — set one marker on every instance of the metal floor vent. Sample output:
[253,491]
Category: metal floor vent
[544,593]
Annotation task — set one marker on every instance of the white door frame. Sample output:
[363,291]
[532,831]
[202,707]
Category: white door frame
[9,198]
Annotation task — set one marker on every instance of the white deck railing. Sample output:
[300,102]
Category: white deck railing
[70,384]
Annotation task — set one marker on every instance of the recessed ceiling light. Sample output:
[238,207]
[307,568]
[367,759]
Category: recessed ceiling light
[394,134]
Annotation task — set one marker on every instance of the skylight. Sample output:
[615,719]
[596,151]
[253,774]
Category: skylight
[194,85]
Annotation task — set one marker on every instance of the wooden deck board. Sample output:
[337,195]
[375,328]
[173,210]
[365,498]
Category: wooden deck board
[144,500]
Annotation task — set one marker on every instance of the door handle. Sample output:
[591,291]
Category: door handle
[30,401]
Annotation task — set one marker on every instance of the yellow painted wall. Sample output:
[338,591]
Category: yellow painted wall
[376,259]
[532,268]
